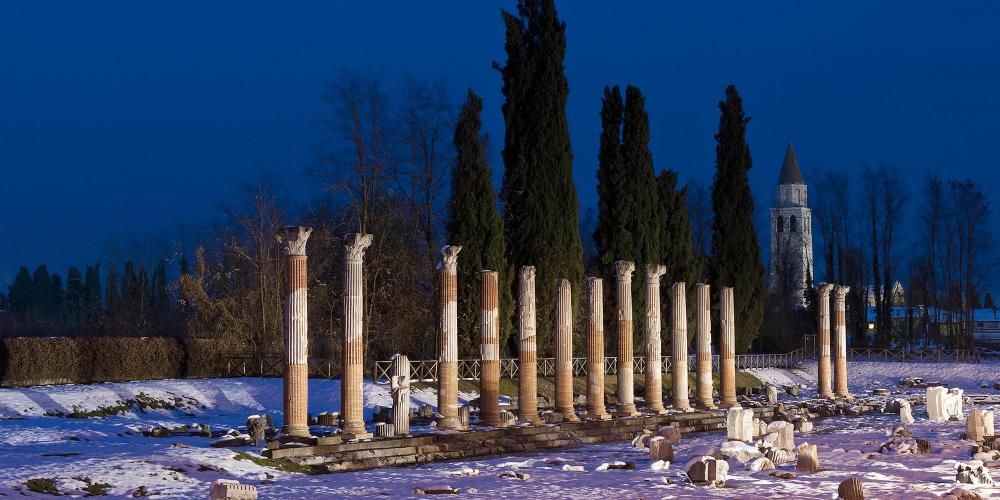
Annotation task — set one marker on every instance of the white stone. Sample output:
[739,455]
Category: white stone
[943,403]
[740,451]
[705,469]
[979,425]
[759,464]
[772,394]
[227,489]
[659,465]
[739,424]
[785,434]
[974,474]
[905,413]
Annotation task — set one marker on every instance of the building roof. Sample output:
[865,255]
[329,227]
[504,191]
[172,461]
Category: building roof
[790,173]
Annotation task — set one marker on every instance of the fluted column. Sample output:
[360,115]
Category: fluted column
[703,330]
[626,399]
[296,331]
[352,385]
[527,357]
[448,340]
[679,353]
[727,349]
[489,378]
[840,334]
[595,349]
[564,351]
[654,355]
[823,376]
[400,387]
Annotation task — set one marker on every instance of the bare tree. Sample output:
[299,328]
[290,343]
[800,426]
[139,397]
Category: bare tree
[883,201]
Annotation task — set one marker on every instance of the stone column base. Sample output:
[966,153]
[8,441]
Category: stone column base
[296,431]
[450,424]
[356,436]
[598,416]
[626,411]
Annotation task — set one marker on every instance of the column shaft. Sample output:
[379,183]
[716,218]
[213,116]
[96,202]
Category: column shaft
[448,340]
[296,331]
[654,354]
[564,350]
[727,349]
[489,382]
[626,399]
[352,385]
[704,346]
[595,349]
[679,353]
[527,365]
[840,333]
[823,376]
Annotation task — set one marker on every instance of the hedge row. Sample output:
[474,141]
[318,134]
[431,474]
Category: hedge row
[28,361]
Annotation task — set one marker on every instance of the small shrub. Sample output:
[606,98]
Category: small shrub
[42,485]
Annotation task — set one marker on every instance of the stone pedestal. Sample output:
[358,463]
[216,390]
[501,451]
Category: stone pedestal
[808,458]
[739,424]
[727,349]
[654,358]
[564,351]
[489,381]
[704,347]
[825,389]
[448,340]
[979,425]
[400,387]
[296,331]
[679,344]
[228,489]
[595,349]
[840,334]
[527,373]
[352,385]
[626,399]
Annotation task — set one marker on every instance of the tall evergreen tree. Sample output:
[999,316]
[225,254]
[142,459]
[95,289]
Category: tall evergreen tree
[58,297]
[92,311]
[475,224]
[112,303]
[41,293]
[610,235]
[74,295]
[160,300]
[736,259]
[676,245]
[19,293]
[541,209]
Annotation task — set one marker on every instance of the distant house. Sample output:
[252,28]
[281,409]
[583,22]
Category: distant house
[898,294]
[984,325]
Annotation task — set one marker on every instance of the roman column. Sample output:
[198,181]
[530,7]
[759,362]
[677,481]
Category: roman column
[489,378]
[527,357]
[564,351]
[448,340]
[399,384]
[296,331]
[595,349]
[703,326]
[679,354]
[626,400]
[352,385]
[727,349]
[823,341]
[840,334]
[654,359]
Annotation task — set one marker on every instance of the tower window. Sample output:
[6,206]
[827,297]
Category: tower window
[791,223]
[781,224]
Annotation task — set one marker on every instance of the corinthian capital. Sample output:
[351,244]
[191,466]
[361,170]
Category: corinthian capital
[624,269]
[355,245]
[653,273]
[293,239]
[449,257]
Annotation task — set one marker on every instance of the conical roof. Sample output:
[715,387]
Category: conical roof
[790,173]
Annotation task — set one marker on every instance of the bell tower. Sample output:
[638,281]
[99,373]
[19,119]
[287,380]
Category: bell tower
[791,269]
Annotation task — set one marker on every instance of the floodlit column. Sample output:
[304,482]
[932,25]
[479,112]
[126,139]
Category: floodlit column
[704,345]
[840,335]
[564,351]
[296,331]
[448,340]
[489,379]
[595,349]
[527,358]
[823,376]
[400,386]
[626,400]
[352,386]
[679,342]
[654,358]
[727,349]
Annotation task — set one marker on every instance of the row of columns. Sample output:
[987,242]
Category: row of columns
[832,377]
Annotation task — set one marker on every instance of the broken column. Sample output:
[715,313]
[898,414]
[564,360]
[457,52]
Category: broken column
[564,351]
[352,385]
[489,378]
[626,400]
[825,389]
[400,387]
[527,372]
[840,334]
[296,331]
[727,349]
[979,425]
[704,361]
[448,340]
[654,358]
[739,424]
[679,353]
[595,349]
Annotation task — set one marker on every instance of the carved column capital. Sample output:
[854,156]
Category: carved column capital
[824,289]
[293,239]
[624,269]
[355,245]
[653,273]
[526,273]
[449,257]
[840,291]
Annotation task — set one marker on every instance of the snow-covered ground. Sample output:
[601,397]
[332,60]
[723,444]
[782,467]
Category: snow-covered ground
[112,450]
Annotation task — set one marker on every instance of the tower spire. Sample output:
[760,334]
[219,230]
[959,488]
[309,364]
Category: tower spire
[790,173]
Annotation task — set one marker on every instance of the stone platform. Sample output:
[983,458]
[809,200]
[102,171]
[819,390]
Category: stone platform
[401,451]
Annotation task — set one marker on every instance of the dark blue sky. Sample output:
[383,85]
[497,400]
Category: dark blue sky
[122,121]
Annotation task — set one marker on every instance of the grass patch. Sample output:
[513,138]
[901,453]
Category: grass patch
[275,463]
[94,489]
[140,403]
[42,485]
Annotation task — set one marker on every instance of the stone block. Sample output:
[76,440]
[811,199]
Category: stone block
[739,424]
[226,489]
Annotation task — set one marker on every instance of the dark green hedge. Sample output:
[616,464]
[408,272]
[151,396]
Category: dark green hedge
[62,360]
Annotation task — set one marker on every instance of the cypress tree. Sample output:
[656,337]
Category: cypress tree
[112,303]
[541,209]
[58,297]
[736,259]
[92,296]
[41,292]
[475,224]
[676,246]
[609,235]
[74,295]
[19,293]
